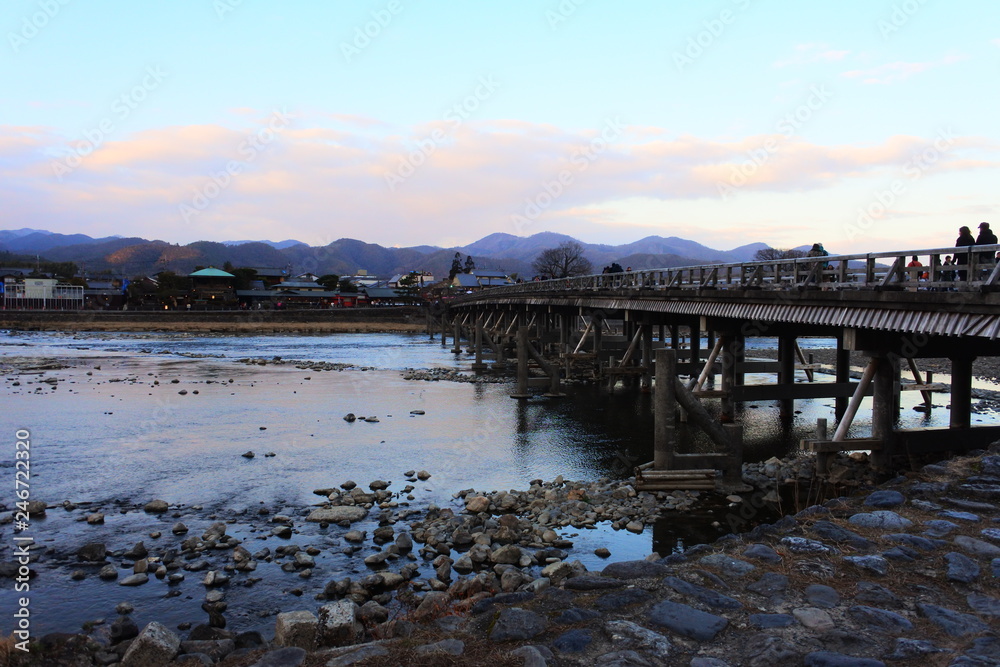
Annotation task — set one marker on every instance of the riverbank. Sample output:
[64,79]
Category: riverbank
[906,573]
[401,319]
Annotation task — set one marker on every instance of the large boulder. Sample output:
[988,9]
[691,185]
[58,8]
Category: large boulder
[155,646]
[349,513]
[296,628]
[338,624]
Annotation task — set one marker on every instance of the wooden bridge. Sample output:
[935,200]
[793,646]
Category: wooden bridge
[645,325]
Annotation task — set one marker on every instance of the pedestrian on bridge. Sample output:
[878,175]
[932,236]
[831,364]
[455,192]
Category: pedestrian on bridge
[965,238]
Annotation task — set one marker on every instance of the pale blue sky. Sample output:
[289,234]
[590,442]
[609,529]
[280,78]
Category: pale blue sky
[839,104]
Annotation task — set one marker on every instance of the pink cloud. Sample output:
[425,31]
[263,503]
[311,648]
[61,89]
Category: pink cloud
[318,181]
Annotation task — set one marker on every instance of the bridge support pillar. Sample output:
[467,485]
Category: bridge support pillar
[843,374]
[478,365]
[664,410]
[884,400]
[646,381]
[729,348]
[522,364]
[457,333]
[961,391]
[786,374]
[694,335]
[444,331]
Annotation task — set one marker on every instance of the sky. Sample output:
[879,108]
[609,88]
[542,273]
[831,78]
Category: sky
[864,125]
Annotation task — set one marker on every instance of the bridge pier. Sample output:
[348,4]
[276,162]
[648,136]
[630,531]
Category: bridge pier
[961,390]
[786,375]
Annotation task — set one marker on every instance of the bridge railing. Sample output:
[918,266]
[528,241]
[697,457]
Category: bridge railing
[974,268]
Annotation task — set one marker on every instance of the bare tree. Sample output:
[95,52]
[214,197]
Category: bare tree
[771,254]
[563,261]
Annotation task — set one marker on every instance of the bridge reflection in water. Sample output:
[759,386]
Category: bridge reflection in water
[645,328]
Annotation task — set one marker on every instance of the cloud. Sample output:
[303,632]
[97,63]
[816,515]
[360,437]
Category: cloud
[474,179]
[890,73]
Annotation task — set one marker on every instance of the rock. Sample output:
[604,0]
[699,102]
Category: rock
[639,637]
[959,516]
[94,552]
[876,564]
[134,580]
[108,573]
[704,595]
[95,519]
[349,513]
[447,646]
[477,504]
[137,551]
[939,527]
[600,552]
[350,655]
[978,547]
[729,566]
[508,554]
[814,619]
[914,648]
[296,628]
[880,619]
[885,499]
[179,529]
[961,568]
[517,624]
[532,656]
[378,485]
[762,552]
[686,620]
[635,569]
[349,485]
[952,622]
[805,546]
[156,506]
[983,604]
[769,584]
[880,520]
[770,621]
[572,641]
[822,597]
[350,417]
[831,659]
[434,604]
[338,624]
[282,657]
[590,582]
[830,531]
[423,475]
[155,646]
[36,508]
[248,454]
[871,593]
[611,602]
[123,628]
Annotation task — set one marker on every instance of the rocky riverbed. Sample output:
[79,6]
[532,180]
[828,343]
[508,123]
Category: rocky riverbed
[904,574]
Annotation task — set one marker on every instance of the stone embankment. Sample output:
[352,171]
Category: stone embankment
[345,320]
[903,575]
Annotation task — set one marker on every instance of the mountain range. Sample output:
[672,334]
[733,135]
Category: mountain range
[513,254]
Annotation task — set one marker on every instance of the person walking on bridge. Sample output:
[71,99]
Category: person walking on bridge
[986,237]
[965,238]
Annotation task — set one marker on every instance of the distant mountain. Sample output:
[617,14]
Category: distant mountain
[506,252]
[280,245]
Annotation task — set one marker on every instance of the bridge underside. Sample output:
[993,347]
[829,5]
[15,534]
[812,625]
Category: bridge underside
[617,335]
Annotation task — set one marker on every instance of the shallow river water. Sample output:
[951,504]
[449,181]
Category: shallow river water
[113,431]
